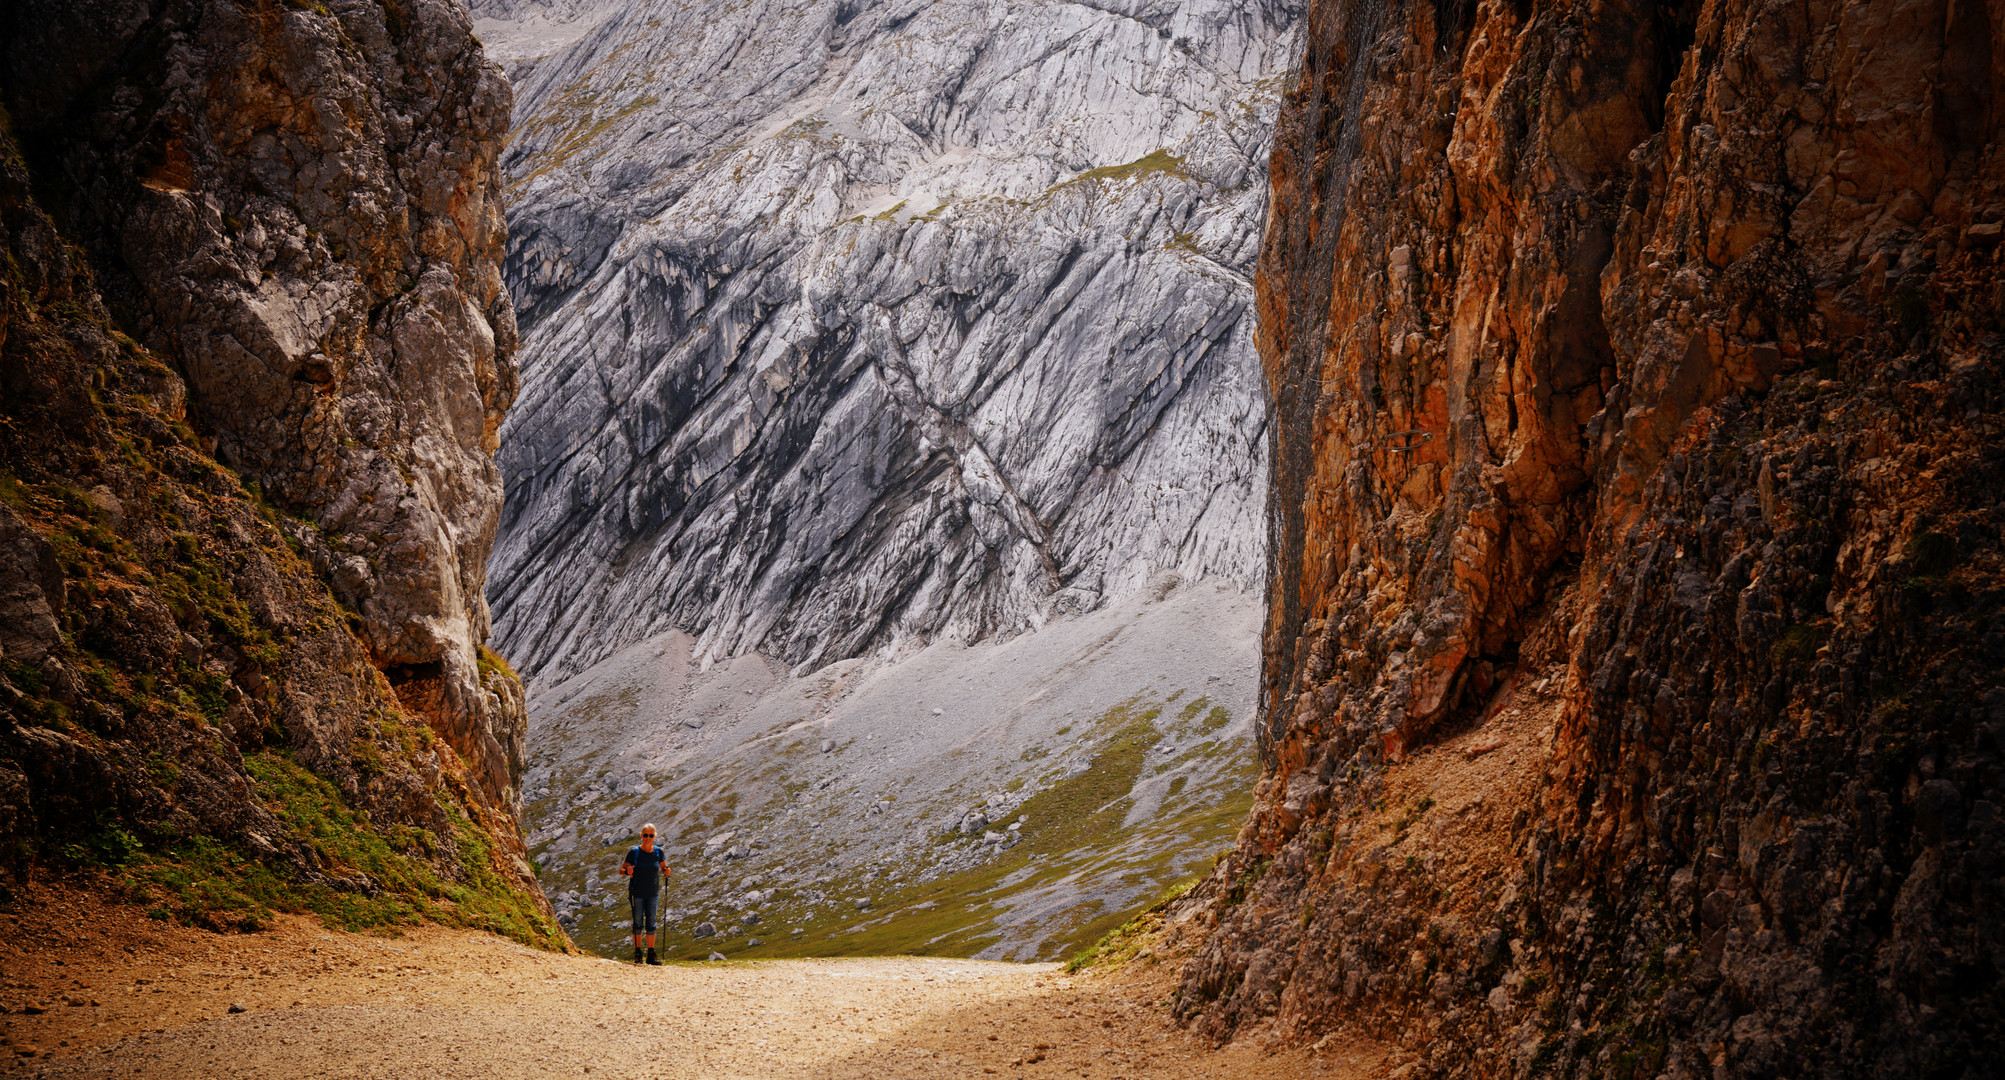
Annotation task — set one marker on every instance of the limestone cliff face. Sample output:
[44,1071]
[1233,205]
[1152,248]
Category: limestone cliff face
[854,326]
[299,205]
[294,209]
[1636,383]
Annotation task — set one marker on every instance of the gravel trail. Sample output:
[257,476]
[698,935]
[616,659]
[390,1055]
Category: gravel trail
[122,995]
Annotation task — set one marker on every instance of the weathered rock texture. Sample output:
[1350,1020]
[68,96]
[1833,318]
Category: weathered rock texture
[294,207]
[850,326]
[1642,361]
[298,205]
[520,32]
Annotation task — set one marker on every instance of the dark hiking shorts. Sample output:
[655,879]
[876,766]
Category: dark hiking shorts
[643,905]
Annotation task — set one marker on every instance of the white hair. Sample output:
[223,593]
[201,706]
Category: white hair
[647,828]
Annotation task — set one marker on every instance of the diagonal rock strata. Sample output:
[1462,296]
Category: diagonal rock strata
[852,327]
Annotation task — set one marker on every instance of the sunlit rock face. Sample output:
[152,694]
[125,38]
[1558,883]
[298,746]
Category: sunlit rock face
[850,326]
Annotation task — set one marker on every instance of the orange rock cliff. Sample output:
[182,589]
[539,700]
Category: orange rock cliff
[1632,698]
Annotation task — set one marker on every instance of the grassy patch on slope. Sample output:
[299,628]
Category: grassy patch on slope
[372,879]
[1122,943]
[1073,824]
[1156,161]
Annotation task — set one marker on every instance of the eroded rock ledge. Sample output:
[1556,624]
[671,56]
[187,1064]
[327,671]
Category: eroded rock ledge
[1636,377]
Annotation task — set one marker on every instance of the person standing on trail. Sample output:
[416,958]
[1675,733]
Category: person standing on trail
[644,867]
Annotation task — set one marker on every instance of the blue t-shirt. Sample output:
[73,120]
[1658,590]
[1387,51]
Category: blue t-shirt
[646,880]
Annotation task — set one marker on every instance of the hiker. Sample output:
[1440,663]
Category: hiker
[644,867]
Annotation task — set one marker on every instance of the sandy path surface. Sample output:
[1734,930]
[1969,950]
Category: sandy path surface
[121,995]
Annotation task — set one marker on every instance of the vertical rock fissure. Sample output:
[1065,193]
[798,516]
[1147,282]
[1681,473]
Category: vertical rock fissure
[1299,386]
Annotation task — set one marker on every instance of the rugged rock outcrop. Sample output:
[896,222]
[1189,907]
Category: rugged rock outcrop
[520,32]
[1636,375]
[293,212]
[854,325]
[299,206]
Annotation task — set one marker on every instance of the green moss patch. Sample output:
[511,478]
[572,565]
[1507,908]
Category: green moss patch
[1120,944]
[1153,163]
[372,879]
[1075,828]
[491,663]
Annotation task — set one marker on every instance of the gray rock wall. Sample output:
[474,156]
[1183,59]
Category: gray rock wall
[855,325]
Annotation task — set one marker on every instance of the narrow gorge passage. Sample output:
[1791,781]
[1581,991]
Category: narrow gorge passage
[154,1001]
[1483,521]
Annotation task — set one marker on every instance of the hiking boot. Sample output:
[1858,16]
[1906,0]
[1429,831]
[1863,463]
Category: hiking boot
[636,954]
[652,959]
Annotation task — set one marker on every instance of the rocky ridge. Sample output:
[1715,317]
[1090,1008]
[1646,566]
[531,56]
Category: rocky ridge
[517,33]
[850,327]
[271,368]
[1636,374]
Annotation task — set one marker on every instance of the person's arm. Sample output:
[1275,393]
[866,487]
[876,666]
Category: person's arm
[627,865]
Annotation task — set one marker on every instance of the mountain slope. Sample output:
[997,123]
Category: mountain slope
[1007,800]
[852,326]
